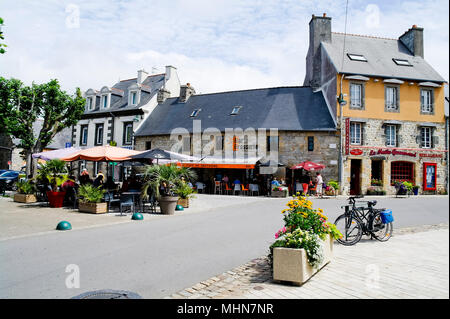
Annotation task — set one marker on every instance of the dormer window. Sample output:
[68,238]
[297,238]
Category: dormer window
[105,101]
[402,62]
[195,113]
[236,110]
[89,103]
[356,57]
[133,98]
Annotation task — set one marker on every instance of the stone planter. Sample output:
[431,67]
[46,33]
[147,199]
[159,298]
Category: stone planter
[25,198]
[93,208]
[292,265]
[279,193]
[183,202]
[168,204]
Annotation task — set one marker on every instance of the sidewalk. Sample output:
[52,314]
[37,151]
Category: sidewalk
[414,263]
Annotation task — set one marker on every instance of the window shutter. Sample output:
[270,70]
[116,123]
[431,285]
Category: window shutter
[399,140]
[419,140]
[397,93]
[363,128]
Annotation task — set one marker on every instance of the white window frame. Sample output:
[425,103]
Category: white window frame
[97,135]
[136,94]
[426,137]
[426,106]
[356,57]
[236,110]
[195,112]
[84,128]
[391,135]
[354,96]
[127,125]
[392,103]
[89,101]
[105,100]
[355,133]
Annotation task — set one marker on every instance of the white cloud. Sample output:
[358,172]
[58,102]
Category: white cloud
[216,45]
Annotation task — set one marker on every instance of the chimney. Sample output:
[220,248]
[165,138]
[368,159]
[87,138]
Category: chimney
[319,31]
[162,96]
[142,75]
[186,91]
[169,71]
[413,40]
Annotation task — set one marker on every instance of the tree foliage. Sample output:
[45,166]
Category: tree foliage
[21,106]
[2,45]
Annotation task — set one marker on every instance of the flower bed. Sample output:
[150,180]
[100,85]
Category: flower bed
[304,244]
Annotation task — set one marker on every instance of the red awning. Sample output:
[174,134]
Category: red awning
[309,166]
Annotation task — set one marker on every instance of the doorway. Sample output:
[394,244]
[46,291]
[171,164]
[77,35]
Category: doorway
[355,177]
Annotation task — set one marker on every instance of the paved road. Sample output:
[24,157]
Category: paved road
[162,256]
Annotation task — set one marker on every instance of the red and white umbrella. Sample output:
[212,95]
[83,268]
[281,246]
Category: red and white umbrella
[309,166]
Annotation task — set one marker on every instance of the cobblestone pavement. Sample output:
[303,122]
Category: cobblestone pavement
[414,263]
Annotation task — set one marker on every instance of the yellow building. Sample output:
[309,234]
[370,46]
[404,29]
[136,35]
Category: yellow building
[389,105]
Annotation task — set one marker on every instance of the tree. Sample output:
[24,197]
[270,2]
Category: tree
[2,46]
[21,106]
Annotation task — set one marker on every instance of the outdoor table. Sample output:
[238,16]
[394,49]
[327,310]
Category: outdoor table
[134,194]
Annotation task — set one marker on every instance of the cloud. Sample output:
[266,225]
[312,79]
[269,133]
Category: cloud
[216,45]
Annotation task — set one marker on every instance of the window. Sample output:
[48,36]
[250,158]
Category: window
[236,110]
[99,134]
[148,145]
[356,95]
[127,133]
[356,57]
[355,133]
[392,98]
[89,103]
[402,171]
[391,135]
[426,101]
[402,62]
[426,137]
[195,113]
[105,101]
[272,143]
[83,135]
[133,98]
[310,143]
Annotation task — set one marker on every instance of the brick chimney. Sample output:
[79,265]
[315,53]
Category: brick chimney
[319,31]
[186,91]
[413,40]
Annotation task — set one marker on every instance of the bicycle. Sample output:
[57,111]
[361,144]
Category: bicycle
[357,221]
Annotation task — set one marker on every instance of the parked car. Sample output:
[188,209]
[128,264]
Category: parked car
[10,178]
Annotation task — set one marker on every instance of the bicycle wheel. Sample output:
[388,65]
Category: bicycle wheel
[380,231]
[350,228]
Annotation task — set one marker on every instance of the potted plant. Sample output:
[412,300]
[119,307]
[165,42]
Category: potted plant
[304,245]
[415,189]
[408,186]
[25,192]
[333,186]
[53,174]
[185,192]
[91,199]
[279,191]
[163,180]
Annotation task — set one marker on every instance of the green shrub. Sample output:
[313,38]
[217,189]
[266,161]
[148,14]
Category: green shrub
[90,194]
[25,187]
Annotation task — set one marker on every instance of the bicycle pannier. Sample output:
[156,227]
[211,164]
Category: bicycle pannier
[386,216]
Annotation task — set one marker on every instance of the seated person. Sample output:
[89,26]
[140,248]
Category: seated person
[236,181]
[110,185]
[68,183]
[98,180]
[275,183]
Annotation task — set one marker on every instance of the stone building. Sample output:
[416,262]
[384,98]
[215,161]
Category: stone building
[388,103]
[238,130]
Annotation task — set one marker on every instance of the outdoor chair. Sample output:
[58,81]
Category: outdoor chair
[109,199]
[126,201]
[312,190]
[254,188]
[298,188]
[244,190]
[228,189]
[217,188]
[237,188]
[200,186]
[150,203]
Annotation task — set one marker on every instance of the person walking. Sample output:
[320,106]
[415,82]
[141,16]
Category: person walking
[319,185]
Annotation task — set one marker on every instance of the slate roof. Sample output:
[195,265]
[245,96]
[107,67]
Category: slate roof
[119,94]
[285,108]
[379,53]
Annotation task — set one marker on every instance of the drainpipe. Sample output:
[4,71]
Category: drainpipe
[341,150]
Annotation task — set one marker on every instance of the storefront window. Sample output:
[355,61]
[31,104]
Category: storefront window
[402,171]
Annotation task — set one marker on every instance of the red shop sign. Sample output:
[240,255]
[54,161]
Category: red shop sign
[356,152]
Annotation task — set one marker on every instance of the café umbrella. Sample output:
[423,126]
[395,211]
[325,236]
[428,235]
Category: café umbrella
[163,155]
[105,153]
[309,166]
[56,154]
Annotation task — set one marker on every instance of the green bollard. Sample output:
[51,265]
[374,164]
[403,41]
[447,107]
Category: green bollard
[64,226]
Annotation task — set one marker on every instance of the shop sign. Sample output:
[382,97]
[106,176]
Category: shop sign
[347,136]
[356,152]
[391,152]
[430,155]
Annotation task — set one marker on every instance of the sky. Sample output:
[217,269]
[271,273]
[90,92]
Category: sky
[216,45]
